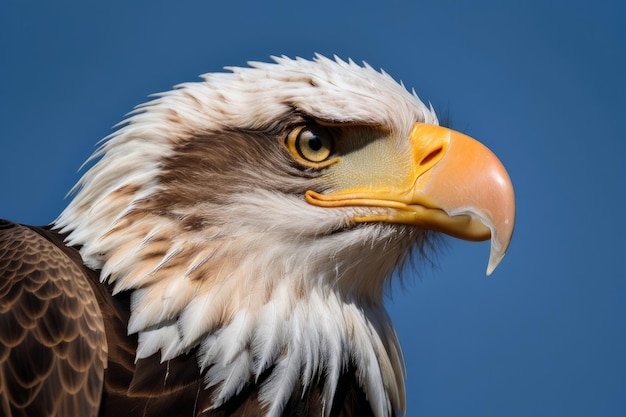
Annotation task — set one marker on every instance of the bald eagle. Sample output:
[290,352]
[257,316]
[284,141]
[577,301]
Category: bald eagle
[227,254]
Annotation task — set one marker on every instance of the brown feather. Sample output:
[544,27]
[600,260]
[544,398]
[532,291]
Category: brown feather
[52,340]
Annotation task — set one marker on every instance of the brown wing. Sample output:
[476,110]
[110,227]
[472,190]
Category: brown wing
[52,340]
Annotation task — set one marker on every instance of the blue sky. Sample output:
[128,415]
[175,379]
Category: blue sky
[539,82]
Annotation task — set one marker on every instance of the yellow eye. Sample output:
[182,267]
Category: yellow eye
[311,143]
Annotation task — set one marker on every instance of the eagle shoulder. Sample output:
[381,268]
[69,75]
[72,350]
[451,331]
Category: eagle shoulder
[52,339]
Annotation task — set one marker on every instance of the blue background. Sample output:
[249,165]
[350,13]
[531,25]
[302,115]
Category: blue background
[539,82]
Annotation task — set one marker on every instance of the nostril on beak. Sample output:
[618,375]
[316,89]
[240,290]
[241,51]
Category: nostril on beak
[432,155]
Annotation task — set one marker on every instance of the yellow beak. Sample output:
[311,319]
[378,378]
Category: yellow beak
[454,185]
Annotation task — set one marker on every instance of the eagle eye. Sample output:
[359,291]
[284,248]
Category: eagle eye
[312,144]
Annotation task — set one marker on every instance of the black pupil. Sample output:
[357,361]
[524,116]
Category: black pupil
[315,143]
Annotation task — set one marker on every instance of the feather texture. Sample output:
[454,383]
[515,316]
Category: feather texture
[52,337]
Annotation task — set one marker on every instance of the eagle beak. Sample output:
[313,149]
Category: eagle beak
[466,180]
[455,185]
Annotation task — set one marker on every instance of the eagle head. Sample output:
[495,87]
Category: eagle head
[255,216]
